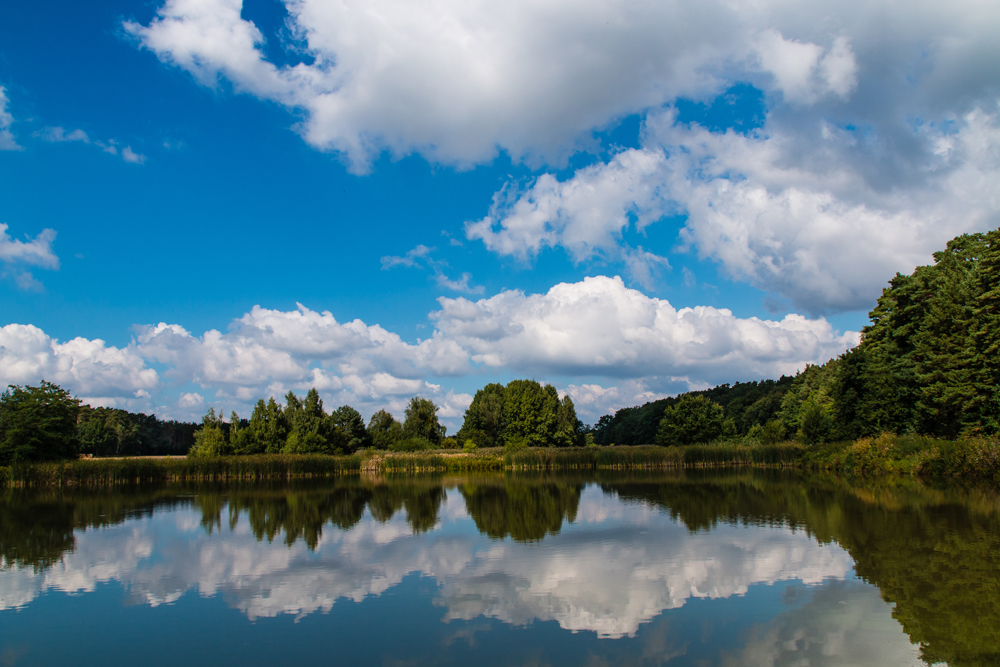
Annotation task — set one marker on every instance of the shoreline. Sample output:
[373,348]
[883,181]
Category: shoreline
[967,460]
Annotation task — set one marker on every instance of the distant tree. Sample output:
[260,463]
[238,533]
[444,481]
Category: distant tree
[569,428]
[383,429]
[267,430]
[530,413]
[108,432]
[347,430]
[308,425]
[422,421]
[692,419]
[239,434]
[37,424]
[210,439]
[484,418]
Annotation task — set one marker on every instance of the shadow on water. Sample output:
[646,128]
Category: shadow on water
[932,551]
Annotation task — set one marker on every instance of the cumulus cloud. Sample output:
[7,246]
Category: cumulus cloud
[600,327]
[878,145]
[456,81]
[16,256]
[7,141]
[594,328]
[58,134]
[585,581]
[99,373]
[807,224]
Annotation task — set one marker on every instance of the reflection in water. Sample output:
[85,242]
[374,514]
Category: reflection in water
[608,558]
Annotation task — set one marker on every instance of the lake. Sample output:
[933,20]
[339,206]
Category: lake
[695,568]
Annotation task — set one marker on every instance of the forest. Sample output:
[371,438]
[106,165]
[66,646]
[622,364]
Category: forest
[928,364]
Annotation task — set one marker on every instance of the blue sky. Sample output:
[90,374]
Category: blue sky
[485,191]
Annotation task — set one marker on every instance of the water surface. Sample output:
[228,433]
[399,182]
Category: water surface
[685,569]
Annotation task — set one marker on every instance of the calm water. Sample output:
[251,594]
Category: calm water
[733,569]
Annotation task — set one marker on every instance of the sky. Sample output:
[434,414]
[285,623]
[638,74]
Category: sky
[207,202]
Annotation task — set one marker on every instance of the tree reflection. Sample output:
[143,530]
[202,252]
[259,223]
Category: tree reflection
[934,553]
[522,509]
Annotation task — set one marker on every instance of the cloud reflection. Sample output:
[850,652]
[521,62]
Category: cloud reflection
[618,567]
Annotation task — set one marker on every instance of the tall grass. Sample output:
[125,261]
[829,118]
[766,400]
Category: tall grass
[973,459]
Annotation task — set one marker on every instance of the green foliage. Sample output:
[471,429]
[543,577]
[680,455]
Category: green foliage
[770,433]
[309,426]
[267,431]
[37,424]
[346,430]
[422,422]
[108,432]
[530,413]
[469,447]
[746,403]
[691,420]
[210,439]
[411,444]
[384,430]
[484,419]
[522,511]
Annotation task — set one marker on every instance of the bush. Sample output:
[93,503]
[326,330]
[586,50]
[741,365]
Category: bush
[469,446]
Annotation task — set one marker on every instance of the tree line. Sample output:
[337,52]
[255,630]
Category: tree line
[47,423]
[302,426]
[928,364]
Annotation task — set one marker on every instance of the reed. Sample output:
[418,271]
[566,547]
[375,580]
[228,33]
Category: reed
[972,459]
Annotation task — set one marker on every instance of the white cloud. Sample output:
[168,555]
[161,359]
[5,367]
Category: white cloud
[409,259]
[131,156]
[98,373]
[788,211]
[456,81]
[593,328]
[58,134]
[16,255]
[600,327]
[461,285]
[585,215]
[7,141]
[421,257]
[803,72]
[878,146]
[583,581]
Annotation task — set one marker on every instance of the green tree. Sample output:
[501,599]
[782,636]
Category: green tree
[37,424]
[210,439]
[484,418]
[692,419]
[530,413]
[308,425]
[569,428]
[384,429]
[267,430]
[422,421]
[347,430]
[108,432]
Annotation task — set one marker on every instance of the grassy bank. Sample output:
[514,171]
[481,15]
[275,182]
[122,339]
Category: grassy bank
[971,459]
